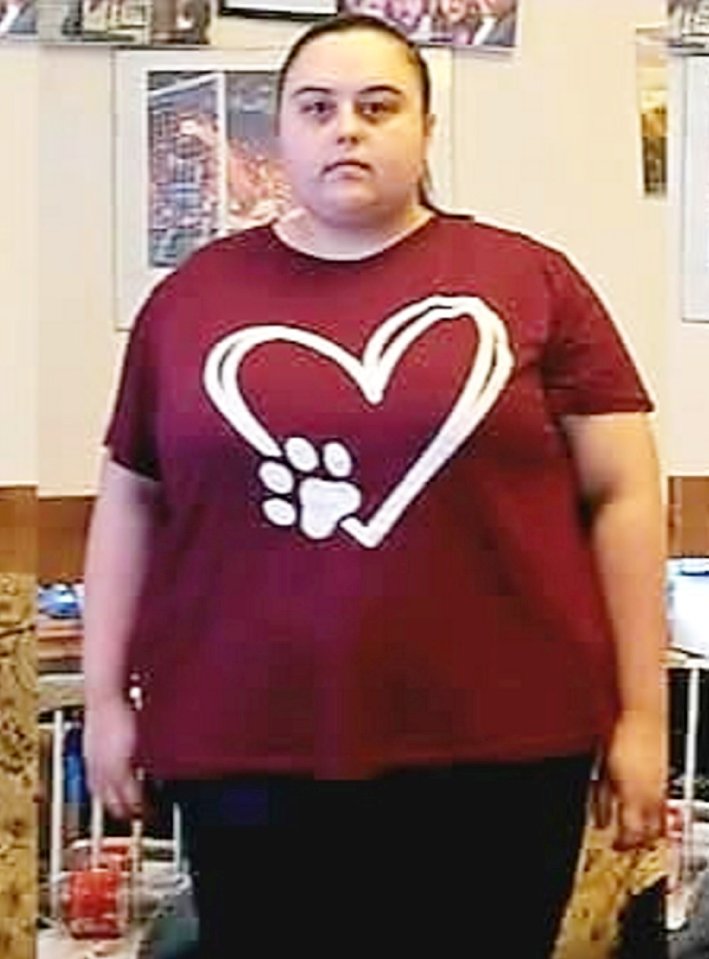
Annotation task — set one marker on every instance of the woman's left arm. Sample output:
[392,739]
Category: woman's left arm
[619,478]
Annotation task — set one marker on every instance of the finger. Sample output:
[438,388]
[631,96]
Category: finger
[127,796]
[655,825]
[632,830]
[119,792]
[120,803]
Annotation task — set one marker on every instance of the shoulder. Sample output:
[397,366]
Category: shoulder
[509,255]
[492,239]
[226,252]
[222,260]
[510,242]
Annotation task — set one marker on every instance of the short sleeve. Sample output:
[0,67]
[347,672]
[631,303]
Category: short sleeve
[131,434]
[586,367]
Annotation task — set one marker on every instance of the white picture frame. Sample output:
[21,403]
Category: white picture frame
[694,190]
[143,255]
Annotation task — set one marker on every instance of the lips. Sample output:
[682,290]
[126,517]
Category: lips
[347,165]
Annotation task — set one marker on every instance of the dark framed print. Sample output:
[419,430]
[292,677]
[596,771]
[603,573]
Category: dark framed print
[293,10]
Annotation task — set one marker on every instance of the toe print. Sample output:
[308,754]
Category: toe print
[318,503]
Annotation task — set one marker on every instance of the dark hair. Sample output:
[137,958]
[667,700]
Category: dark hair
[344,23]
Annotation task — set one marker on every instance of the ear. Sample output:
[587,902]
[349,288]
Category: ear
[429,125]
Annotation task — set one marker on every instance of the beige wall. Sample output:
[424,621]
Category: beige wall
[546,140]
[18,263]
[78,347]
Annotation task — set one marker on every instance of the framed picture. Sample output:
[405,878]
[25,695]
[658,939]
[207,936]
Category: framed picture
[295,10]
[652,83]
[196,157]
[688,23]
[695,190]
[18,18]
[124,22]
[472,24]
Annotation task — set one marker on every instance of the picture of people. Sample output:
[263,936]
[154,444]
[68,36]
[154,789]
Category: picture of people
[212,168]
[688,21]
[18,18]
[125,22]
[458,23]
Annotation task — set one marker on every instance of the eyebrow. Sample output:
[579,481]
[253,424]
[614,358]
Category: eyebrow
[374,88]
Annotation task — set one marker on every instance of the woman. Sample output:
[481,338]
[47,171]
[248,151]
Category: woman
[457,21]
[409,16]
[379,532]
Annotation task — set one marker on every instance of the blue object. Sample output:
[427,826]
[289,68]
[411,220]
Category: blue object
[60,601]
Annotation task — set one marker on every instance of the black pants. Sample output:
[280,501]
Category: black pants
[475,860]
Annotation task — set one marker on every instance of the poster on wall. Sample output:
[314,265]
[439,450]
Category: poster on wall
[124,22]
[688,23]
[475,24]
[196,156]
[652,89]
[212,166]
[694,134]
[295,10]
[18,18]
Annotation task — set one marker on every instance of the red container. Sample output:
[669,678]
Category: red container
[94,904]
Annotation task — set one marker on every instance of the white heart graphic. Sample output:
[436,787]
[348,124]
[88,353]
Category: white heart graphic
[490,368]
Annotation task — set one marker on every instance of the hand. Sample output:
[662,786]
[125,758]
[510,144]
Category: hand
[109,745]
[633,781]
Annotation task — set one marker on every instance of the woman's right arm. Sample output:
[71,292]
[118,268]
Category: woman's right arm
[119,543]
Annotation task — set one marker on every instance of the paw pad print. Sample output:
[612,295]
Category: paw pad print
[316,504]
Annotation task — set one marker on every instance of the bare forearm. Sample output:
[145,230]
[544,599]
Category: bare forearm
[628,540]
[117,556]
[619,480]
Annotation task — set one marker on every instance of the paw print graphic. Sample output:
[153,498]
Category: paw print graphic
[316,504]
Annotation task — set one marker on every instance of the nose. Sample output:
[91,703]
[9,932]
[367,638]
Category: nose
[347,122]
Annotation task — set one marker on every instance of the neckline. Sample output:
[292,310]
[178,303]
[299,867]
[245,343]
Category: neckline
[398,243]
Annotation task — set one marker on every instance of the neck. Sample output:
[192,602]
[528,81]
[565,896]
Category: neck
[301,230]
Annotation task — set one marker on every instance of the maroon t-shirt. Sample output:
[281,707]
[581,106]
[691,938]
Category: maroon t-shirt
[371,551]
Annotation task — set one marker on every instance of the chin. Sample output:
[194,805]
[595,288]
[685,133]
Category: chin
[354,213]
[359,211]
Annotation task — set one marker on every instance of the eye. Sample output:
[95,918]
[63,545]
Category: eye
[377,109]
[318,109]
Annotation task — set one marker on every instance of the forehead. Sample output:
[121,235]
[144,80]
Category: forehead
[353,59]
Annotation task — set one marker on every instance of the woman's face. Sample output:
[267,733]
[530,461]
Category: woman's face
[456,11]
[407,13]
[352,132]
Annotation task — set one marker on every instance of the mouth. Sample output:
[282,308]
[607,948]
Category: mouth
[346,166]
